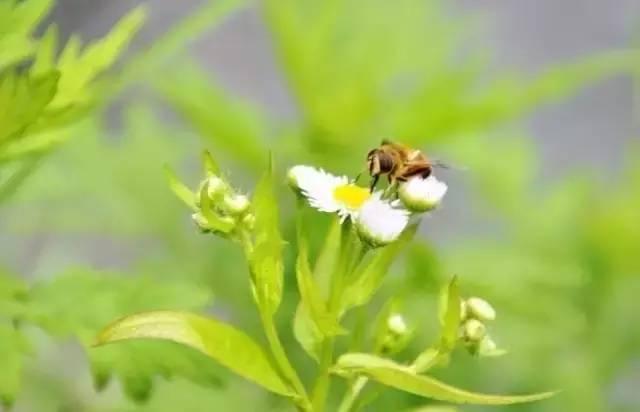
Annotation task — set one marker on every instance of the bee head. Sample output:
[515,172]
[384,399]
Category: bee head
[379,162]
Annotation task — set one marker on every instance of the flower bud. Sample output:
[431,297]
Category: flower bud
[200,221]
[396,324]
[379,222]
[422,195]
[480,309]
[236,204]
[488,348]
[216,187]
[249,220]
[464,312]
[474,330]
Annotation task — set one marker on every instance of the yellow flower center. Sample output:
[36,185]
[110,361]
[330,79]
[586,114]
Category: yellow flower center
[351,196]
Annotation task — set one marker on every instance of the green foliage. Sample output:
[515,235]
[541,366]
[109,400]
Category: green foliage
[562,270]
[78,303]
[404,378]
[222,342]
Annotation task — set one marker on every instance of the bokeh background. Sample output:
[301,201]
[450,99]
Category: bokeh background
[533,101]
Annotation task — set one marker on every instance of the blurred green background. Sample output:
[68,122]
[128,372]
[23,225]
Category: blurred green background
[533,102]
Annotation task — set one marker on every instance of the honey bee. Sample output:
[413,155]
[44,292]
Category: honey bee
[398,162]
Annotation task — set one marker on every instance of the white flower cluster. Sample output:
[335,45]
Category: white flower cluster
[222,208]
[474,313]
[378,221]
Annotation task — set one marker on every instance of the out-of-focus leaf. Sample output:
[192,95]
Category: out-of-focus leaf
[22,101]
[404,378]
[78,69]
[13,349]
[221,342]
[231,126]
[19,19]
[102,297]
[266,258]
[450,315]
[367,282]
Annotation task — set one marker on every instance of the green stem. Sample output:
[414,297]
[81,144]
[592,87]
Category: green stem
[277,350]
[283,362]
[349,400]
[322,385]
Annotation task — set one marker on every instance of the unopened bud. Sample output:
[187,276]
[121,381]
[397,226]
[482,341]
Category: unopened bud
[488,348]
[200,221]
[480,309]
[249,220]
[396,324]
[463,310]
[216,187]
[422,195]
[474,330]
[236,204]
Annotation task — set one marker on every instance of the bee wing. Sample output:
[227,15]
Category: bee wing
[443,165]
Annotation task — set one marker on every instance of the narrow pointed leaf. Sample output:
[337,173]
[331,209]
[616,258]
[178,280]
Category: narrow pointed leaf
[210,165]
[221,342]
[404,378]
[370,278]
[311,298]
[451,316]
[180,189]
[266,259]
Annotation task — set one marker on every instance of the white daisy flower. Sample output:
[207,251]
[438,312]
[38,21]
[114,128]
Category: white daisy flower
[377,221]
[380,222]
[328,193]
[421,195]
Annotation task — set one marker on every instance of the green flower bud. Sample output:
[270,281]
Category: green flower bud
[480,309]
[217,187]
[249,221]
[236,204]
[474,330]
[200,221]
[488,348]
[396,325]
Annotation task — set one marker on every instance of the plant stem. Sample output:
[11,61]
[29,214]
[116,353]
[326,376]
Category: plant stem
[352,394]
[322,385]
[283,362]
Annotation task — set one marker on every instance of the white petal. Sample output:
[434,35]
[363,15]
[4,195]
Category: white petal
[421,195]
[317,186]
[379,222]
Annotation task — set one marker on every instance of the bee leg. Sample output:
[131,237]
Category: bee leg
[374,182]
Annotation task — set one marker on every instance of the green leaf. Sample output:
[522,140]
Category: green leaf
[180,189]
[210,165]
[401,377]
[450,315]
[306,332]
[223,343]
[13,349]
[231,125]
[53,306]
[23,99]
[311,299]
[266,258]
[79,70]
[368,281]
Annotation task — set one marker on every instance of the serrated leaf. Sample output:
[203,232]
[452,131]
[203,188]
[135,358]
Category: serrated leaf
[22,101]
[311,299]
[367,282]
[389,373]
[223,343]
[266,258]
